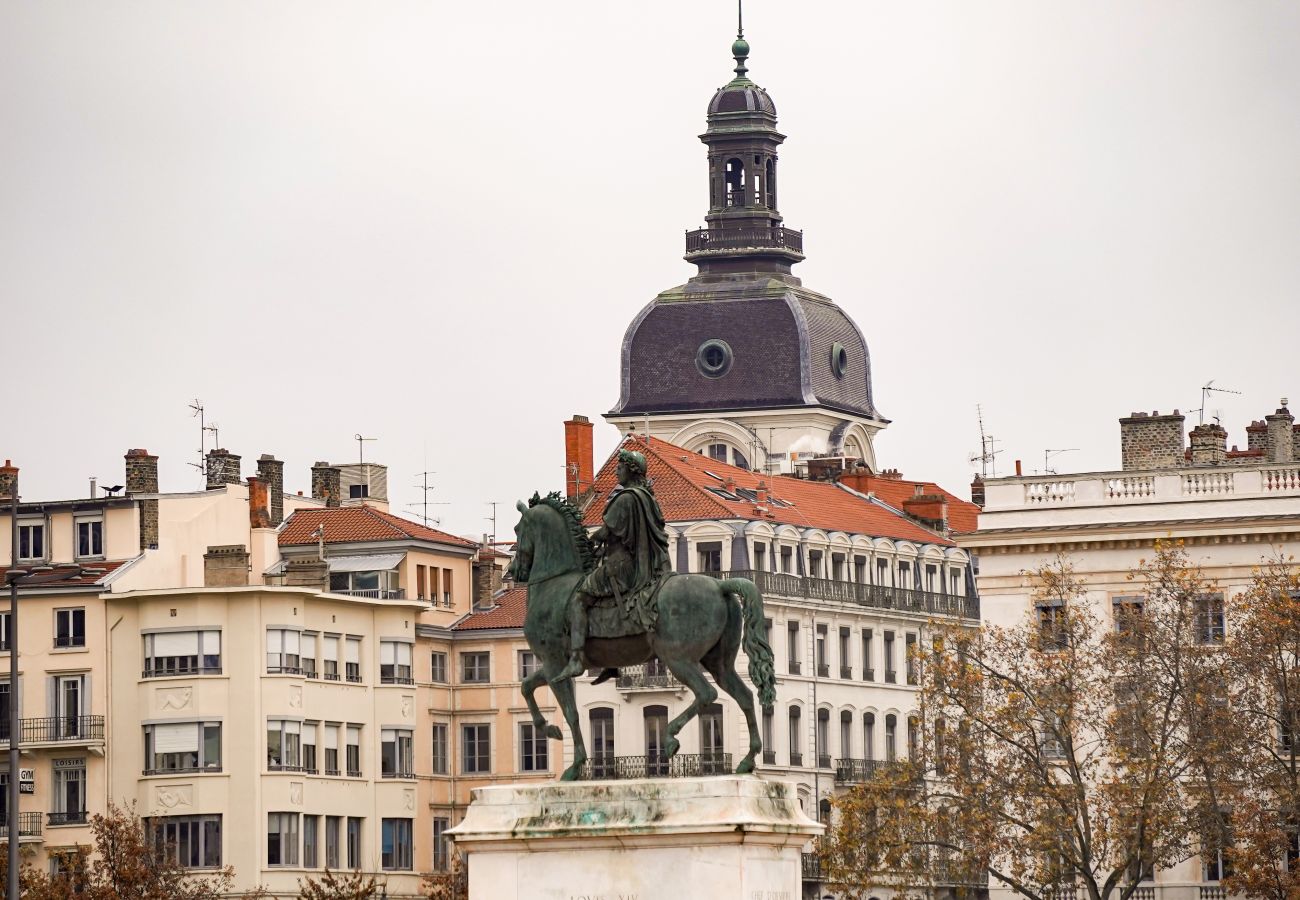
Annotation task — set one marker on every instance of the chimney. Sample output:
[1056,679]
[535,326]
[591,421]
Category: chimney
[222,468]
[1281,435]
[271,471]
[94,487]
[310,572]
[1209,445]
[225,566]
[977,490]
[761,494]
[1151,441]
[142,478]
[1257,436]
[8,480]
[930,510]
[579,466]
[258,514]
[327,483]
[487,581]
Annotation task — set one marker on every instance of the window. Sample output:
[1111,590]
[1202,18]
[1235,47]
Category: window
[70,704]
[90,538]
[4,632]
[396,753]
[792,647]
[1209,619]
[940,746]
[330,657]
[281,839]
[859,569]
[931,575]
[352,662]
[396,850]
[954,582]
[891,737]
[823,738]
[31,540]
[309,747]
[309,654]
[395,663]
[846,735]
[190,841]
[441,853]
[438,667]
[70,627]
[419,581]
[283,648]
[913,738]
[69,792]
[283,745]
[787,555]
[182,747]
[711,745]
[891,674]
[709,556]
[846,664]
[602,741]
[1052,629]
[796,742]
[440,749]
[911,659]
[656,736]
[331,749]
[358,491]
[760,557]
[182,653]
[533,755]
[527,663]
[354,842]
[1215,864]
[769,740]
[868,735]
[333,825]
[1127,612]
[823,665]
[815,564]
[476,749]
[353,750]
[882,572]
[446,588]
[1053,744]
[868,667]
[311,841]
[475,668]
[837,566]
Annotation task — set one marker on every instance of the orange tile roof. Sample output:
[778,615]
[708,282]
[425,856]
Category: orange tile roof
[359,523]
[962,514]
[683,486]
[508,612]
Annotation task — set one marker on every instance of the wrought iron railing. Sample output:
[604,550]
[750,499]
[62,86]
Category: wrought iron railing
[59,728]
[647,678]
[858,771]
[622,768]
[702,240]
[874,596]
[29,825]
[810,866]
[67,818]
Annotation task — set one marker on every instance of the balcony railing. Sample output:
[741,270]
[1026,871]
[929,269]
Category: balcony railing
[858,771]
[846,671]
[169,672]
[1143,893]
[769,757]
[397,775]
[810,866]
[72,729]
[1213,892]
[823,761]
[29,825]
[702,240]
[874,596]
[375,593]
[1151,486]
[650,677]
[67,818]
[622,768]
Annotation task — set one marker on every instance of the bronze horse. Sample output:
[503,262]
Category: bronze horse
[702,624]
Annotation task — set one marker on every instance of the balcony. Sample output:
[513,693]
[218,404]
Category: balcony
[823,761]
[653,676]
[29,826]
[859,771]
[1213,892]
[375,593]
[623,768]
[846,672]
[769,757]
[407,776]
[58,731]
[810,867]
[872,596]
[67,818]
[721,241]
[174,671]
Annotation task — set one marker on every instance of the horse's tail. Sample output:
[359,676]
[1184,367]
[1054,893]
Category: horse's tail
[762,664]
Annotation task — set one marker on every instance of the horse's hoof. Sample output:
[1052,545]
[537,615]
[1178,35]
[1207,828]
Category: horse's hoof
[554,733]
[571,773]
[746,766]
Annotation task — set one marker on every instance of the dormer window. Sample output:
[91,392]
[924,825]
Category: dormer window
[90,536]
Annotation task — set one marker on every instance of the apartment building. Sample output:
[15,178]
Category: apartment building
[1231,507]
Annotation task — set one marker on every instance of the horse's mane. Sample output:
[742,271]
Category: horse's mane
[573,518]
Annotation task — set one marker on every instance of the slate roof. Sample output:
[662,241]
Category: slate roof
[101,571]
[687,490]
[508,612]
[347,524]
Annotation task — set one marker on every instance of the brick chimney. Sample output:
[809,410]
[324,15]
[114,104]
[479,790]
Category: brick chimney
[1151,441]
[1257,436]
[1209,445]
[929,509]
[486,580]
[1281,435]
[259,516]
[142,478]
[225,566]
[327,484]
[8,478]
[579,464]
[271,471]
[977,490]
[222,468]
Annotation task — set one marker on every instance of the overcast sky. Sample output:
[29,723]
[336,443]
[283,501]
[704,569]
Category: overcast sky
[431,222]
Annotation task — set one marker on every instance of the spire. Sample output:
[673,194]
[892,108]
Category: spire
[740,49]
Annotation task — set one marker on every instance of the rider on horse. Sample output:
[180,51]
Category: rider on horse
[634,561]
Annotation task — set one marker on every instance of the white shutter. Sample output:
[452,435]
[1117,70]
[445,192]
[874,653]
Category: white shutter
[354,650]
[387,649]
[403,654]
[387,735]
[292,727]
[309,735]
[309,646]
[354,734]
[292,641]
[274,640]
[212,643]
[182,738]
[331,648]
[176,643]
[331,737]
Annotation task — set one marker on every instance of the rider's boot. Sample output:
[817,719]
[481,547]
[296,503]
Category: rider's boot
[577,663]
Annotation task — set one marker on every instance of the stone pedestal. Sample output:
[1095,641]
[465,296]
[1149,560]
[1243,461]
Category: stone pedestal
[734,837]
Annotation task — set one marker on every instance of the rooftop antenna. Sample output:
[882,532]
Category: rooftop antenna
[1206,390]
[1048,454]
[493,519]
[361,458]
[425,487]
[201,465]
[987,457]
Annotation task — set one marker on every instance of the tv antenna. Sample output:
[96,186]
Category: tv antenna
[424,504]
[361,447]
[202,464]
[1049,453]
[1206,390]
[987,457]
[493,519]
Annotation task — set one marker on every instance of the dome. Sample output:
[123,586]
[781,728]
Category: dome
[741,96]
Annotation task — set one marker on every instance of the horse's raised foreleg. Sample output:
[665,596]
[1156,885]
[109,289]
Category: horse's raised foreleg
[689,673]
[530,684]
[569,706]
[724,673]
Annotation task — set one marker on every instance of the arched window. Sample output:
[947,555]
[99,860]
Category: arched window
[602,742]
[823,738]
[711,746]
[735,182]
[796,743]
[656,735]
[869,736]
[846,735]
[913,738]
[940,746]
[891,737]
[769,185]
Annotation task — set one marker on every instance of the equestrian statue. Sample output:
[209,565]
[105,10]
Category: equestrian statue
[610,599]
